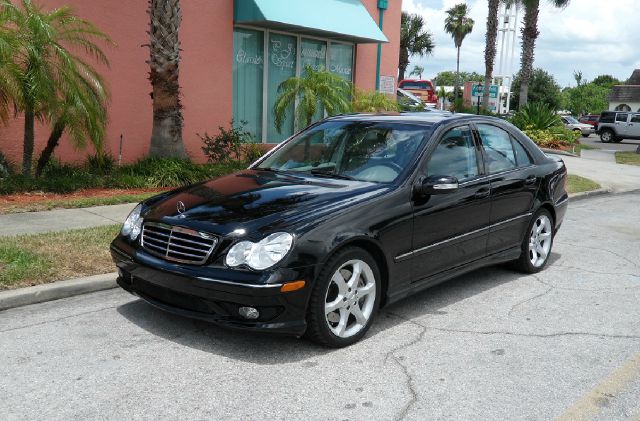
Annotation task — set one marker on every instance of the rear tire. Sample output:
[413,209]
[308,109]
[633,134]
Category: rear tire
[537,243]
[607,136]
[345,299]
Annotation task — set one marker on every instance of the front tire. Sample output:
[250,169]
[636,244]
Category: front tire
[537,243]
[345,299]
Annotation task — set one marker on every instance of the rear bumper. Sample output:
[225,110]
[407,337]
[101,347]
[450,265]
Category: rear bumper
[192,292]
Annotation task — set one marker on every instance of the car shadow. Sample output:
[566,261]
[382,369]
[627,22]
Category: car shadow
[268,349]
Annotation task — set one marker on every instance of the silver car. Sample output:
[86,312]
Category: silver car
[573,124]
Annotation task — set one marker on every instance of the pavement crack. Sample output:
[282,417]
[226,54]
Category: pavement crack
[626,259]
[56,320]
[548,290]
[595,272]
[534,335]
[101,216]
[409,378]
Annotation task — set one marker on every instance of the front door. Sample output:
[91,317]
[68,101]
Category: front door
[450,228]
[622,129]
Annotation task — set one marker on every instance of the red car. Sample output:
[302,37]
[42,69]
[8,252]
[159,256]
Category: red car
[423,89]
[590,119]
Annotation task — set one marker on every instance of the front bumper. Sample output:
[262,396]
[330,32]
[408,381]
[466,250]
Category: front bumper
[192,291]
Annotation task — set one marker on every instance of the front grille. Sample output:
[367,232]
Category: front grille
[177,244]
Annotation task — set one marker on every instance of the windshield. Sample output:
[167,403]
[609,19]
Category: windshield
[416,85]
[367,151]
[571,120]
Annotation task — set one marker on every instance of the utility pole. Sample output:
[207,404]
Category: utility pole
[508,37]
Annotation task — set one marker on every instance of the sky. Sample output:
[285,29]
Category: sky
[592,36]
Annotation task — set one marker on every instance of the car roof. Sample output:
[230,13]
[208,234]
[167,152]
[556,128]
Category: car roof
[425,117]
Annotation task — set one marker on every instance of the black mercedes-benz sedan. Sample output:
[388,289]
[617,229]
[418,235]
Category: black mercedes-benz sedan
[353,213]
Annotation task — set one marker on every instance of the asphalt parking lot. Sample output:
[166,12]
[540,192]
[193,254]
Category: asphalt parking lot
[627,145]
[493,344]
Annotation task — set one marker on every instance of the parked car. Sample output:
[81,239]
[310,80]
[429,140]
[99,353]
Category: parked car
[590,119]
[352,214]
[423,89]
[614,126]
[572,124]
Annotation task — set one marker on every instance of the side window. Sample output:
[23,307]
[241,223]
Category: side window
[635,118]
[621,117]
[498,148]
[455,155]
[523,158]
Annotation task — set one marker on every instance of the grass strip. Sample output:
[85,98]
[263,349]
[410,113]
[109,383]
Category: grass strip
[40,258]
[577,184]
[629,158]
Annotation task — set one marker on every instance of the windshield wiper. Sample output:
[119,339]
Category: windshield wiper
[328,174]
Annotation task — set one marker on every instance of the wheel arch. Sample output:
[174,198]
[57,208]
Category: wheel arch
[375,250]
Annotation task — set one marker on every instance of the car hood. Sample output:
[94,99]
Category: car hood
[257,202]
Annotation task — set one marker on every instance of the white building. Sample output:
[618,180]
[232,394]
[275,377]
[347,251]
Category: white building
[626,97]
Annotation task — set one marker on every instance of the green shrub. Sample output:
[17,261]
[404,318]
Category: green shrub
[227,144]
[553,138]
[373,102]
[251,152]
[101,163]
[5,167]
[538,116]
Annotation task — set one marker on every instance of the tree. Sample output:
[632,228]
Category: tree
[577,76]
[459,25]
[490,49]
[164,63]
[448,77]
[9,86]
[44,66]
[316,89]
[543,88]
[606,80]
[529,36]
[417,70]
[414,40]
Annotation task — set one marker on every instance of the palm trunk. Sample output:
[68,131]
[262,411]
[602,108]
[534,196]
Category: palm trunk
[52,143]
[456,88]
[29,134]
[490,49]
[404,62]
[164,62]
[529,35]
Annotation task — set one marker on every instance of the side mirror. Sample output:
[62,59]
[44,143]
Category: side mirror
[439,184]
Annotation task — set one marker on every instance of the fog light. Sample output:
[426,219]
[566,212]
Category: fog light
[249,313]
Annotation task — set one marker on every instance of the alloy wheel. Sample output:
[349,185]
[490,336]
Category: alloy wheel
[350,298]
[540,241]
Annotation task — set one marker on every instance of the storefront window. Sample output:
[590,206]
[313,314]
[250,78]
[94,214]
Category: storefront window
[248,67]
[249,56]
[341,60]
[282,66]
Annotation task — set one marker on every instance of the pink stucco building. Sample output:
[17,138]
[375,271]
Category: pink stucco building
[235,53]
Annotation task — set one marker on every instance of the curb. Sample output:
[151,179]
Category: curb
[56,290]
[588,194]
[559,152]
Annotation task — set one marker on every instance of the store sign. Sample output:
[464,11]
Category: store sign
[283,54]
[244,58]
[387,85]
[478,90]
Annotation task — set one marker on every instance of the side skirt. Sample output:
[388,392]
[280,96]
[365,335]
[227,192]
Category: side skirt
[501,257]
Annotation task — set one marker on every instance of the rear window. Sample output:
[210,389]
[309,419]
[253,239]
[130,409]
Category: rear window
[607,117]
[415,85]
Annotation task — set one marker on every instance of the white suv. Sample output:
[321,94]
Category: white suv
[614,126]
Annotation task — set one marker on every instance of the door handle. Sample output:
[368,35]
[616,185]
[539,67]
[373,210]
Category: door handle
[530,180]
[482,193]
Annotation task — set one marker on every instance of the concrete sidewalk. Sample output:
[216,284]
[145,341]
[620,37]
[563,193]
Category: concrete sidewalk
[63,219]
[617,178]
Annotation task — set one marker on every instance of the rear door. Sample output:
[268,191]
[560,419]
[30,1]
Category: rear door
[634,126]
[450,228]
[514,184]
[622,128]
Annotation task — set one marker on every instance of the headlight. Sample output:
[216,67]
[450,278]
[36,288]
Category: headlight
[261,255]
[133,224]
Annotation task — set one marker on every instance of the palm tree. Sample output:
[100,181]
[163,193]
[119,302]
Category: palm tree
[459,25]
[9,88]
[490,49]
[82,113]
[417,70]
[316,89]
[44,64]
[164,62]
[529,36]
[414,39]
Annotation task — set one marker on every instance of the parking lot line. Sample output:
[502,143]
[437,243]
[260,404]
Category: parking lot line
[591,403]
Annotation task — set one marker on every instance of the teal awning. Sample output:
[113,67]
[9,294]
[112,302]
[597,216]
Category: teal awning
[336,19]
